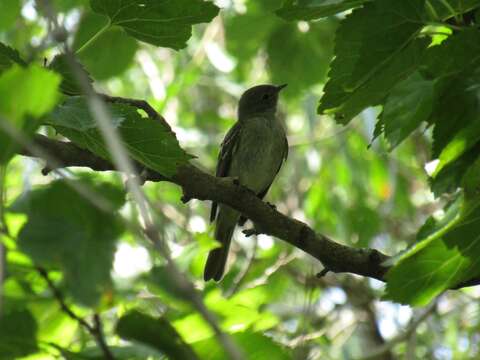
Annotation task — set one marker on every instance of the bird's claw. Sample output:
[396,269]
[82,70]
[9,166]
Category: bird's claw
[47,170]
[323,273]
[185,198]
[273,206]
[250,232]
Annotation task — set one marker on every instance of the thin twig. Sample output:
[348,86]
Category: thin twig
[282,260]
[412,327]
[98,328]
[95,331]
[323,273]
[303,338]
[296,142]
[61,300]
[140,104]
[240,278]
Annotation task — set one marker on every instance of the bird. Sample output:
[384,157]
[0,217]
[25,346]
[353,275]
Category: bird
[252,152]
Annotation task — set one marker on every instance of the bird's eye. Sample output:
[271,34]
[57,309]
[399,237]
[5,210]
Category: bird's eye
[265,96]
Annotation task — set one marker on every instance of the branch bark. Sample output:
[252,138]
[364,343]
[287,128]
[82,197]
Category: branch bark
[197,184]
[334,256]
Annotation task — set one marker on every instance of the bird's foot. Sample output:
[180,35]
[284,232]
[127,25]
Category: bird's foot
[47,170]
[185,198]
[273,206]
[139,179]
[322,273]
[142,176]
[236,182]
[250,232]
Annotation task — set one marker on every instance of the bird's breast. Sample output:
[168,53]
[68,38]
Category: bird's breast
[258,153]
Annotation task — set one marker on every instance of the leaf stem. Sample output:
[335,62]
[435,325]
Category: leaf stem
[93,38]
[432,12]
[456,15]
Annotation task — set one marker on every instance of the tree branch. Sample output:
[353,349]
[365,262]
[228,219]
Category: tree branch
[197,184]
[336,257]
[140,104]
[200,185]
[95,331]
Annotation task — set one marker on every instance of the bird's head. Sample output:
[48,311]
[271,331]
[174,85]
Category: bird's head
[259,99]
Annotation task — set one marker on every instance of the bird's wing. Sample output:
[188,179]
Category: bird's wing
[262,193]
[228,147]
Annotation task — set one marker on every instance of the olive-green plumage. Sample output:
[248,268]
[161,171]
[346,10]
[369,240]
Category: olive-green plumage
[253,151]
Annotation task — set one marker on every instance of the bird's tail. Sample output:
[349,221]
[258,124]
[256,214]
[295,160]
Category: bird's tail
[217,258]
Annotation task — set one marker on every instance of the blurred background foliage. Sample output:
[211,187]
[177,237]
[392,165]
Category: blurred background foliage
[270,301]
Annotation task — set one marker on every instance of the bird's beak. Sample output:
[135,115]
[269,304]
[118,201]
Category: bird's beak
[280,87]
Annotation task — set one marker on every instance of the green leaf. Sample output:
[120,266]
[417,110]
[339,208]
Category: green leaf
[131,352]
[9,12]
[459,52]
[446,9]
[364,53]
[471,179]
[27,93]
[454,66]
[244,33]
[370,60]
[35,92]
[160,277]
[160,23]
[308,50]
[449,178]
[155,332]
[254,345]
[110,54]
[454,110]
[463,141]
[442,260]
[243,310]
[53,325]
[374,91]
[8,57]
[362,50]
[69,85]
[315,9]
[18,330]
[193,327]
[65,6]
[433,225]
[66,231]
[91,26]
[149,141]
[456,133]
[408,105]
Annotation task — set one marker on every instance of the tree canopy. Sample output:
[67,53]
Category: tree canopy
[111,119]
